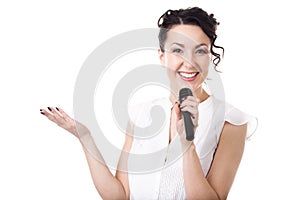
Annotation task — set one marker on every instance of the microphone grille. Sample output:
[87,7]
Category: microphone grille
[183,93]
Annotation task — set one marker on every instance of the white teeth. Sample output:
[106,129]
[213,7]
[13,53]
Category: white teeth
[188,75]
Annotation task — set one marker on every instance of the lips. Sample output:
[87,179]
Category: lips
[188,76]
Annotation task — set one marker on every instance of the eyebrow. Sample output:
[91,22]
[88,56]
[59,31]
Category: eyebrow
[197,46]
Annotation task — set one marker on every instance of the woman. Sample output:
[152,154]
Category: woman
[208,165]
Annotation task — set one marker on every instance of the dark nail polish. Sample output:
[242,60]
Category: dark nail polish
[49,108]
[42,113]
[41,110]
[57,108]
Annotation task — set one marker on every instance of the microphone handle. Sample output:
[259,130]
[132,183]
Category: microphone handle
[189,126]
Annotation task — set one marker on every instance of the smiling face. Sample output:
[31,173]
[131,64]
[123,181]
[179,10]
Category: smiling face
[186,56]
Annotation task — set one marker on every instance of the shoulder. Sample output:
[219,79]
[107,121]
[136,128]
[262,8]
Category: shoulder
[234,131]
[236,119]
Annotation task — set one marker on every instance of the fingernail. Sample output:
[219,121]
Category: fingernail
[57,108]
[42,113]
[41,110]
[49,108]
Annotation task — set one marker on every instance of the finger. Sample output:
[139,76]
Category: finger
[57,115]
[53,111]
[45,112]
[190,109]
[67,118]
[189,102]
[193,98]
[195,122]
[194,117]
[49,115]
[177,111]
[53,115]
[62,112]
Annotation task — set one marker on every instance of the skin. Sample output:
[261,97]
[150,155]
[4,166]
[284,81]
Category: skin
[188,52]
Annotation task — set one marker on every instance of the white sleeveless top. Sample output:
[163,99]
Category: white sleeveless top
[155,166]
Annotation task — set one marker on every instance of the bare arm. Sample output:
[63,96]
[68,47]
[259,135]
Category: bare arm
[224,166]
[227,158]
[122,174]
[225,163]
[107,185]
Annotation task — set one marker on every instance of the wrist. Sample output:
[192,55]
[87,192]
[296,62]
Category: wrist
[80,131]
[187,145]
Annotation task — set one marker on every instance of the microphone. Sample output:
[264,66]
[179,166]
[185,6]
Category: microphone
[188,124]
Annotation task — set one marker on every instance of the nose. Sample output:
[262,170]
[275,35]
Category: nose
[187,61]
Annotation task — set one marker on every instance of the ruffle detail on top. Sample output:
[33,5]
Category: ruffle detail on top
[238,117]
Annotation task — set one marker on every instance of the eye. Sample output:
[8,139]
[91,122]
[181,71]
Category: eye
[177,50]
[201,51]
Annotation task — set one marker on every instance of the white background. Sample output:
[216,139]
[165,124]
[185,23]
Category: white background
[44,43]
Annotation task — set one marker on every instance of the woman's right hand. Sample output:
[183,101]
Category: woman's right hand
[59,117]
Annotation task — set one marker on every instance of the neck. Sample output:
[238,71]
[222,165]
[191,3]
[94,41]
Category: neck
[199,93]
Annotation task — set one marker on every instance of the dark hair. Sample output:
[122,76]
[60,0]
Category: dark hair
[191,16]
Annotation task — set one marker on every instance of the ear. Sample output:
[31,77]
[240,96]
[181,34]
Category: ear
[161,57]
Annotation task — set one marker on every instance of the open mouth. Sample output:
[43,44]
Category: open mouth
[188,76]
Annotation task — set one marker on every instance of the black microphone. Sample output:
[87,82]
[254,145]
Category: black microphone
[188,123]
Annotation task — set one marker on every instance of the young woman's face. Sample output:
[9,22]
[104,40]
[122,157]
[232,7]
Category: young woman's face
[186,56]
